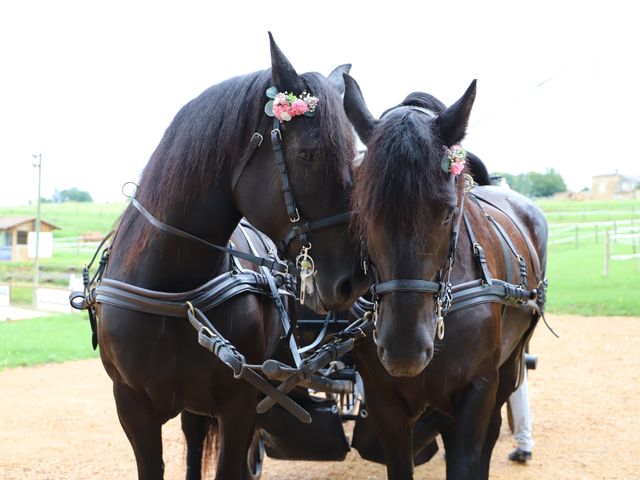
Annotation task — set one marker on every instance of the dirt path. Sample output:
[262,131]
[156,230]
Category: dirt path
[59,421]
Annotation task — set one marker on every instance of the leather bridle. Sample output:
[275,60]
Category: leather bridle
[441,289]
[300,227]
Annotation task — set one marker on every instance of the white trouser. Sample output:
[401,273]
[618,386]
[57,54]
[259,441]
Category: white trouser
[521,412]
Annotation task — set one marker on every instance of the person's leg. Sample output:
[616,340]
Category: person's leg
[521,411]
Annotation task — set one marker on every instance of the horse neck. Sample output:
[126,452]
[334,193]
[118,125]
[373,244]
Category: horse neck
[172,263]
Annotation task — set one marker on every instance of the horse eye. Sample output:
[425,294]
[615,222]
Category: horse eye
[306,156]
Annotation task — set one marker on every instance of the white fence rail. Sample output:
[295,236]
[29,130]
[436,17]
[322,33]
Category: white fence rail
[576,233]
[632,239]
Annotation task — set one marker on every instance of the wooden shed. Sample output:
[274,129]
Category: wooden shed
[17,233]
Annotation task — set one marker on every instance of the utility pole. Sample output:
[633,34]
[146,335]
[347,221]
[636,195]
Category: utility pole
[36,266]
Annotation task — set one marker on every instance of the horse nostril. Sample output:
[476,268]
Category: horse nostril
[345,288]
[428,354]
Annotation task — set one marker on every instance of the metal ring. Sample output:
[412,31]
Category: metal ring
[206,330]
[469,182]
[135,189]
[256,134]
[190,306]
[296,218]
[440,329]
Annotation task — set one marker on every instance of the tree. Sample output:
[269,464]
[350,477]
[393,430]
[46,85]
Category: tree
[71,195]
[534,184]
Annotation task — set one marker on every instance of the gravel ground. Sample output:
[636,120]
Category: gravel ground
[59,421]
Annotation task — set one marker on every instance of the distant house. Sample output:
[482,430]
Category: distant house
[614,186]
[18,238]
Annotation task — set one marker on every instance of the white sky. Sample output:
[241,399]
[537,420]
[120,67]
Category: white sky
[93,85]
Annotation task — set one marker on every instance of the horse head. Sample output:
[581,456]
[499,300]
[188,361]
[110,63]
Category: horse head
[303,174]
[407,194]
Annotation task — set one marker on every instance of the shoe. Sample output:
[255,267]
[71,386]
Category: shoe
[520,456]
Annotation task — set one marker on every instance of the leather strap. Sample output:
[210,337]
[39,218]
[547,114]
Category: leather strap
[261,261]
[275,295]
[306,227]
[408,285]
[205,297]
[478,252]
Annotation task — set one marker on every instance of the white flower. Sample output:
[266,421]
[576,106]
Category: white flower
[285,117]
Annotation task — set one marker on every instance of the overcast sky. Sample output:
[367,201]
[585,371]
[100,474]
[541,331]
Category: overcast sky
[93,85]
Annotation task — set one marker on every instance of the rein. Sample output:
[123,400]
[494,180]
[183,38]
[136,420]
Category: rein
[260,261]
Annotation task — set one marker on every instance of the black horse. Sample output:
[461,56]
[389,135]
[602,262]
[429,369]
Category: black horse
[210,169]
[441,256]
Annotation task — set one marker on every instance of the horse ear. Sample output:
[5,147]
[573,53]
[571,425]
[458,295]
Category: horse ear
[283,75]
[335,78]
[357,110]
[453,121]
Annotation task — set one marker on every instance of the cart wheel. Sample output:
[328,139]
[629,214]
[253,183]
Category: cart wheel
[255,456]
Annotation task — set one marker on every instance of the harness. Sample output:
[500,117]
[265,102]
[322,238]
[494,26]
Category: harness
[273,280]
[487,289]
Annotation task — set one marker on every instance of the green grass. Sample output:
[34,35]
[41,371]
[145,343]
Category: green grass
[53,339]
[575,268]
[577,284]
[73,218]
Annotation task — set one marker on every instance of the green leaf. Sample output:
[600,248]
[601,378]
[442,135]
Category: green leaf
[268,109]
[271,93]
[446,163]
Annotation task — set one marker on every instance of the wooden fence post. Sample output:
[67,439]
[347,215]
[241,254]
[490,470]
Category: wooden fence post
[606,253]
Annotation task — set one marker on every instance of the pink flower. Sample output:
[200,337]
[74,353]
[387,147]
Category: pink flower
[457,167]
[285,106]
[299,107]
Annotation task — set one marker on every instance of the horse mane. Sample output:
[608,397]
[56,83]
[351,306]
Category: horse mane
[212,131]
[401,174]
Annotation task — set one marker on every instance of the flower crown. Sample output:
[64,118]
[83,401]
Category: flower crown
[285,106]
[454,159]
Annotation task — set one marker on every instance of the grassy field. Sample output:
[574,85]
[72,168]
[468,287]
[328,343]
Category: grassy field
[73,218]
[57,338]
[575,271]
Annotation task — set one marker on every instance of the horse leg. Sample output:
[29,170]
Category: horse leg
[196,428]
[395,434]
[143,429]
[464,435]
[508,374]
[237,425]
